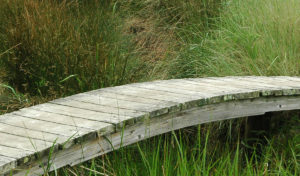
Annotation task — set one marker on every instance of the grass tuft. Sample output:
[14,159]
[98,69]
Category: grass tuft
[248,38]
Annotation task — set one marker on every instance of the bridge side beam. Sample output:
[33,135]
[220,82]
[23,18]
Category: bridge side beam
[163,124]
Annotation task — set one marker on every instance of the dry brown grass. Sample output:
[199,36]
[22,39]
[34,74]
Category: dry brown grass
[154,43]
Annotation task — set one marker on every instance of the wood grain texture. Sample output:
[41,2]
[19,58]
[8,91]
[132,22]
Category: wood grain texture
[6,163]
[87,125]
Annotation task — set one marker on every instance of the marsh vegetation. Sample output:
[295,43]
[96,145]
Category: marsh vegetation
[52,48]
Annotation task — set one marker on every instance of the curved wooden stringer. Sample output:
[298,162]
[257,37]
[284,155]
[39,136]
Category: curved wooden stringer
[90,124]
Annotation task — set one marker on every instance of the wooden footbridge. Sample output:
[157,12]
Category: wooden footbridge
[83,126]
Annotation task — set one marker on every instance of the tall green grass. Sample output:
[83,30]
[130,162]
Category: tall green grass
[45,42]
[248,38]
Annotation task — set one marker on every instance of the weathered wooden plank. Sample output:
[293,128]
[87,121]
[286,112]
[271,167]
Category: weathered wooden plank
[141,88]
[287,87]
[59,130]
[285,81]
[274,78]
[172,102]
[227,81]
[66,135]
[282,88]
[264,89]
[123,104]
[156,126]
[146,93]
[220,84]
[231,82]
[280,82]
[215,93]
[196,98]
[23,142]
[290,78]
[5,159]
[6,164]
[117,97]
[140,110]
[93,102]
[35,122]
[81,113]
[28,133]
[259,83]
[171,89]
[63,120]
[208,88]
[13,152]
[143,104]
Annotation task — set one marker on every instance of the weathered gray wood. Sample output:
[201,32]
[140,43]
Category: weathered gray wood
[209,89]
[118,97]
[96,103]
[138,110]
[288,87]
[134,102]
[143,130]
[248,82]
[233,83]
[264,89]
[15,153]
[119,104]
[24,143]
[43,126]
[295,79]
[86,125]
[6,163]
[146,93]
[283,81]
[81,113]
[74,122]
[5,159]
[28,133]
[171,89]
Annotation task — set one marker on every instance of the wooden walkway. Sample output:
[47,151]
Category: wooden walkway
[86,125]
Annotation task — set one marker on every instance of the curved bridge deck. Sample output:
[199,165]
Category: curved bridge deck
[80,127]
